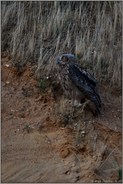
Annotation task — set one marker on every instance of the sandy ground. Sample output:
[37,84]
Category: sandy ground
[38,147]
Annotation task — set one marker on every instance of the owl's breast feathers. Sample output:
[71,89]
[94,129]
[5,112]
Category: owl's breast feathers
[65,79]
[85,82]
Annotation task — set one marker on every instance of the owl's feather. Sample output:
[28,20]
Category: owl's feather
[85,83]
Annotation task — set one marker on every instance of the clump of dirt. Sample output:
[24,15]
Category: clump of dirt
[45,140]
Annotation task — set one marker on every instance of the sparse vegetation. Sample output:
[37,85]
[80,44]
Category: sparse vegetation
[120,174]
[43,84]
[39,31]
[27,128]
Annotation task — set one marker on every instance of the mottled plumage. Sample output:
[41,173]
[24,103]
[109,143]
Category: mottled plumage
[77,83]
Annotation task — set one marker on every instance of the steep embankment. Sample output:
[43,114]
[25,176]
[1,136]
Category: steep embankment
[36,147]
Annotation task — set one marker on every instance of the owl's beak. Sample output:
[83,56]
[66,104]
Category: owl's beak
[58,61]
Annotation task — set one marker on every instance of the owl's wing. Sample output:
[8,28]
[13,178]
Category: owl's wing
[90,77]
[83,81]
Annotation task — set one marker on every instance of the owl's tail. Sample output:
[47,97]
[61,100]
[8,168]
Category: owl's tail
[95,98]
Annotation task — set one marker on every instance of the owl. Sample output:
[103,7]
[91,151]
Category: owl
[77,83]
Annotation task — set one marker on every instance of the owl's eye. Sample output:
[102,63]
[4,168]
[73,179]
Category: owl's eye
[64,58]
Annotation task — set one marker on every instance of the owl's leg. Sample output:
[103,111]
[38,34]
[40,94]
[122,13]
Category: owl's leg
[76,98]
[85,104]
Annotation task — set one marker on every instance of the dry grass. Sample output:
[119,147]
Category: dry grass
[39,31]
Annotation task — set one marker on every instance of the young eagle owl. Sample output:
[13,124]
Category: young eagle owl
[77,83]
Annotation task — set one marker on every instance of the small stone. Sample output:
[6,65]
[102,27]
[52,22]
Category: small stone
[7,82]
[62,128]
[12,110]
[7,65]
[67,172]
[83,135]
[82,132]
[73,165]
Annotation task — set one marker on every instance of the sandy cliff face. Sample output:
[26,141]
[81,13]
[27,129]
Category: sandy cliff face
[38,147]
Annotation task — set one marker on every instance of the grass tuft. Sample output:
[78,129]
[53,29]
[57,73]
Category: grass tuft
[38,31]
[43,85]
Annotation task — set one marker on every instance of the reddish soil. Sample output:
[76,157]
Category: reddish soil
[38,147]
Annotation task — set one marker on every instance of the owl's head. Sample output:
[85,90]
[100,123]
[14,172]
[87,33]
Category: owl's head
[66,58]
